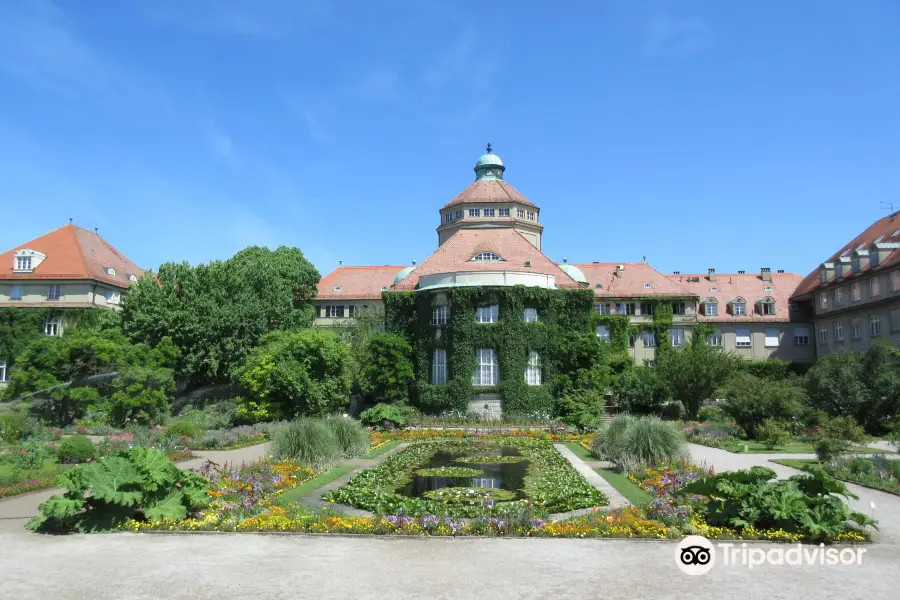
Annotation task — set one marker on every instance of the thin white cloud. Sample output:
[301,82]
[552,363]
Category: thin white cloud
[669,37]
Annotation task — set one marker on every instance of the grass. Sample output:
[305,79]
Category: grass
[632,491]
[795,447]
[379,451]
[294,494]
[797,463]
[580,451]
[6,470]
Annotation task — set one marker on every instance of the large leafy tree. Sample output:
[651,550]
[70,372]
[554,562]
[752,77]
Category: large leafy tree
[389,368]
[863,386]
[641,392]
[750,400]
[694,372]
[215,313]
[304,372]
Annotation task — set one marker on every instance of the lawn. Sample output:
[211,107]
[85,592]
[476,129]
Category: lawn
[797,463]
[49,468]
[795,447]
[580,451]
[379,451]
[632,492]
[319,481]
[878,474]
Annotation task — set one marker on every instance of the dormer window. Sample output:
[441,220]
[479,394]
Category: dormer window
[338,288]
[711,307]
[486,257]
[766,306]
[384,288]
[738,306]
[854,264]
[110,271]
[648,286]
[23,263]
[132,278]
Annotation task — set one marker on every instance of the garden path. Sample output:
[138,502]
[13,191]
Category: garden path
[584,469]
[15,511]
[887,506]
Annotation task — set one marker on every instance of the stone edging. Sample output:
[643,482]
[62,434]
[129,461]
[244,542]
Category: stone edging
[594,478]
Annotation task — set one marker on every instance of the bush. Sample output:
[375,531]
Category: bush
[216,416]
[388,370]
[860,466]
[608,444]
[772,434]
[351,436]
[712,413]
[76,449]
[631,442]
[845,429]
[672,411]
[750,400]
[309,441]
[582,408]
[185,428]
[140,485]
[828,449]
[12,425]
[388,416]
[639,391]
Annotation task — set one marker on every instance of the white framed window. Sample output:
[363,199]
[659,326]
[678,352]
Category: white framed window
[520,213]
[336,311]
[533,369]
[504,212]
[53,326]
[110,271]
[678,308]
[489,212]
[440,315]
[3,377]
[773,337]
[895,321]
[487,369]
[132,278]
[352,310]
[601,309]
[646,308]
[710,309]
[767,308]
[23,263]
[531,315]
[742,338]
[714,339]
[823,333]
[448,217]
[823,300]
[739,309]
[855,329]
[895,281]
[458,215]
[487,314]
[625,308]
[839,331]
[473,212]
[531,215]
[855,292]
[839,296]
[874,325]
[801,336]
[486,256]
[112,296]
[649,339]
[676,337]
[648,286]
[439,367]
[874,287]
[649,363]
[603,332]
[53,292]
[15,292]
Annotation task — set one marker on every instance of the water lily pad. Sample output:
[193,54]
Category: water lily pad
[489,460]
[450,472]
[469,495]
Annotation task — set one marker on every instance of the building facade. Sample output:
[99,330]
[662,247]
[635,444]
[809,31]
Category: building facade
[854,296]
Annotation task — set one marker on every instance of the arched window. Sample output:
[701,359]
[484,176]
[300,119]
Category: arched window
[711,307]
[766,306]
[486,256]
[738,306]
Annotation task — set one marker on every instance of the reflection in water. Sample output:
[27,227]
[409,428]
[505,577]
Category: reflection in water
[507,476]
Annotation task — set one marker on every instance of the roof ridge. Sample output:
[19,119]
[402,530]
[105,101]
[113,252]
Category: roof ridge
[72,232]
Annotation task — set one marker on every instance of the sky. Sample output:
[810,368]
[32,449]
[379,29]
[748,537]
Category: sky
[734,135]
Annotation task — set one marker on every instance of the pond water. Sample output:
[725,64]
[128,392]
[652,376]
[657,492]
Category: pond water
[506,476]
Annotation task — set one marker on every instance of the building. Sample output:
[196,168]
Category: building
[490,237]
[67,269]
[854,296]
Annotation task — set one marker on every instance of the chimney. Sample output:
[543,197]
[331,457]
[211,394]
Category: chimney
[676,272]
[765,274]
[781,270]
[619,269]
[741,272]
[96,229]
[712,274]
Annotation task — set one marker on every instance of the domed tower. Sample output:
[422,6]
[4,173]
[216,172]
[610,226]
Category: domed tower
[490,203]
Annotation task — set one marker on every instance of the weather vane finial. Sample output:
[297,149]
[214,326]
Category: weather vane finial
[489,148]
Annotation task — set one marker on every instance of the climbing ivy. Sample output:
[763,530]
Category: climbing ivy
[20,325]
[559,311]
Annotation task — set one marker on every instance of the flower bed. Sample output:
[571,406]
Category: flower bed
[877,472]
[28,485]
[420,435]
[551,483]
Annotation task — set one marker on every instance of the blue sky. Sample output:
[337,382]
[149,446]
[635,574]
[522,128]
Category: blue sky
[731,135]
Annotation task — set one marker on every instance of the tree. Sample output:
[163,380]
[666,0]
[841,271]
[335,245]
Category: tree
[640,391]
[304,372]
[750,400]
[694,372]
[358,333]
[216,313]
[389,369]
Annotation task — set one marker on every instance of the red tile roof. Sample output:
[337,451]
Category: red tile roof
[630,282]
[455,256]
[888,229]
[357,283]
[748,286]
[489,190]
[72,253]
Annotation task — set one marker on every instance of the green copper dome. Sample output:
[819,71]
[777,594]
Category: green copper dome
[574,272]
[489,166]
[403,274]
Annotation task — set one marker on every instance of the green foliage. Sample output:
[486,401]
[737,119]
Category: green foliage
[863,386]
[609,443]
[830,449]
[845,429]
[694,372]
[387,416]
[750,400]
[30,455]
[297,373]
[140,396]
[639,391]
[141,484]
[76,449]
[12,425]
[352,438]
[216,313]
[812,504]
[186,428]
[631,442]
[389,370]
[773,434]
[712,413]
[582,408]
[772,368]
[309,441]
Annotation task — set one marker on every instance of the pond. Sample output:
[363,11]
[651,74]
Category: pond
[490,467]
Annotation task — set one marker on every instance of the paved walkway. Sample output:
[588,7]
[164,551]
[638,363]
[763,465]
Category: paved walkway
[887,506]
[594,478]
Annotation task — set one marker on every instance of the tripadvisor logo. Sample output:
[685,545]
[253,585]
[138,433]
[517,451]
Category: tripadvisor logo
[696,555]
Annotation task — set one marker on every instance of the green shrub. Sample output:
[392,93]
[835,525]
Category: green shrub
[76,449]
[640,391]
[860,466]
[631,442]
[828,449]
[186,428]
[310,441]
[12,425]
[773,434]
[672,411]
[751,400]
[387,416]
[609,443]
[351,436]
[845,429]
[30,455]
[713,413]
[389,368]
[582,408]
[141,484]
